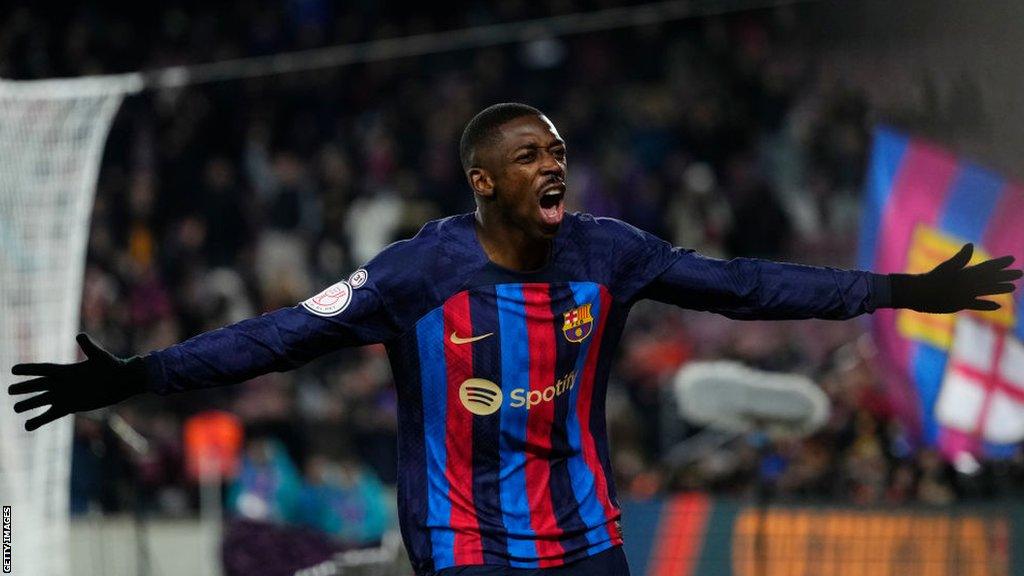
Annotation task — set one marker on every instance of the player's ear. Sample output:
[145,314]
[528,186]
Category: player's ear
[481,181]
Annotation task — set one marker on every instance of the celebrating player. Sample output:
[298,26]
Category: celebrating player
[500,326]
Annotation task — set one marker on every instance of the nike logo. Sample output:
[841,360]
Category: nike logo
[456,340]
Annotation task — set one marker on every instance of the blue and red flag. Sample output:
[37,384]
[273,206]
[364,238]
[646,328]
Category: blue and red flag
[921,204]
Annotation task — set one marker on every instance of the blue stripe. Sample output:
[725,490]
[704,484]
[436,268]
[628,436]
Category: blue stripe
[583,483]
[1020,308]
[929,364]
[515,373]
[1000,451]
[434,377]
[972,199]
[886,157]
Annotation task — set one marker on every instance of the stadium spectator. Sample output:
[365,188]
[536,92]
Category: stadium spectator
[268,484]
[346,500]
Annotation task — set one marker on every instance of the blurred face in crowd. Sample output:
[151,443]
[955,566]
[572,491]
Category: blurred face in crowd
[260,452]
[522,177]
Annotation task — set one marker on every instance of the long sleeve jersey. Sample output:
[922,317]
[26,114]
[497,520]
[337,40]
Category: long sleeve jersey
[501,375]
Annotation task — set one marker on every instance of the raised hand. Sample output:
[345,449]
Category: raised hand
[100,380]
[953,286]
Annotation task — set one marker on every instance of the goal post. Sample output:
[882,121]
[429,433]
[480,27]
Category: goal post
[52,134]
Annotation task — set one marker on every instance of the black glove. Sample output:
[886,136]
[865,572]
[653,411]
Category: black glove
[951,287]
[100,380]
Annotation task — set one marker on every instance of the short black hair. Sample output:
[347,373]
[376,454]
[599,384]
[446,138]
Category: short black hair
[483,128]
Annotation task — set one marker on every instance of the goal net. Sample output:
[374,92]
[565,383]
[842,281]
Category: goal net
[51,141]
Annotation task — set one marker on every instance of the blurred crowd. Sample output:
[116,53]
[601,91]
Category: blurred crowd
[218,202]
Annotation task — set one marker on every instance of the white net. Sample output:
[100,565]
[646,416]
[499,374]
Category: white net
[51,142]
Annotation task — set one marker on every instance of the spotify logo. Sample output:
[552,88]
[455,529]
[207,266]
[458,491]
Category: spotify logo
[479,396]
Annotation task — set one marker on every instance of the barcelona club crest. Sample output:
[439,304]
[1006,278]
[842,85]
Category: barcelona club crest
[578,323]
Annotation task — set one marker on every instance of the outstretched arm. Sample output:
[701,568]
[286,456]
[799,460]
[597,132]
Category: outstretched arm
[278,341]
[101,380]
[275,342]
[746,288]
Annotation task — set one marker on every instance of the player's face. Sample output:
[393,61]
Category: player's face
[529,175]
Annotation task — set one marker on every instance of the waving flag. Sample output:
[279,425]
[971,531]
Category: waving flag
[982,395]
[921,205]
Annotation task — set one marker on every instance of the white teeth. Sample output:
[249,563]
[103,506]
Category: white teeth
[553,193]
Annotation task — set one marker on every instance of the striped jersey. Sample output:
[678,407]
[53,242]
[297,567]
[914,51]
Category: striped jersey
[501,375]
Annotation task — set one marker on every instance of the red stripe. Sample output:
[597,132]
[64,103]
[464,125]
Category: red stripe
[583,404]
[541,335]
[990,382]
[993,380]
[680,536]
[918,195]
[459,433]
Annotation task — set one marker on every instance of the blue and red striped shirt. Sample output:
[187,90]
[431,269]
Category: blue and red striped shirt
[501,375]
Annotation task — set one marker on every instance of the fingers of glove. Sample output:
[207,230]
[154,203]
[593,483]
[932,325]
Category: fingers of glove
[992,265]
[958,261]
[29,386]
[91,349]
[986,289]
[979,304]
[45,418]
[1010,275]
[44,369]
[33,402]
[993,277]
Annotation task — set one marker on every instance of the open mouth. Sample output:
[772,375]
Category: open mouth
[552,205]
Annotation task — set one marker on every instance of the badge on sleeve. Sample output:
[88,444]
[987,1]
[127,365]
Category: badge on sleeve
[358,278]
[331,301]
